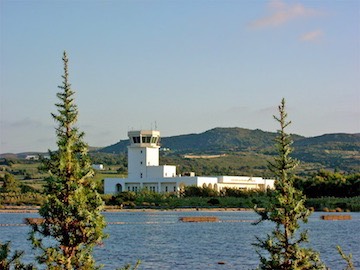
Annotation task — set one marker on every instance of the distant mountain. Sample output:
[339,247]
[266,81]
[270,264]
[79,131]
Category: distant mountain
[332,151]
[21,155]
[217,140]
[338,150]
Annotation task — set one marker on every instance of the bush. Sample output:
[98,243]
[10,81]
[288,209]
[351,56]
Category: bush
[29,198]
[213,201]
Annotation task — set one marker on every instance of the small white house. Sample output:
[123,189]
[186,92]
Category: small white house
[144,171]
[32,157]
[98,167]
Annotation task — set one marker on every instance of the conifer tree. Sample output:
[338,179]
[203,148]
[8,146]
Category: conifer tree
[283,245]
[71,223]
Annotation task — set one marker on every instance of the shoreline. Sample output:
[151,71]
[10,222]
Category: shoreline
[110,209]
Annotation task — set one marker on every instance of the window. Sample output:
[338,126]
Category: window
[154,139]
[166,189]
[145,139]
[136,139]
[118,188]
[141,175]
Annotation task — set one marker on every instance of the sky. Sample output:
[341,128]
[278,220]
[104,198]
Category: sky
[179,66]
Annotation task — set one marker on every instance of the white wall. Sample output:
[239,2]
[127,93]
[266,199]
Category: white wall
[110,185]
[161,171]
[138,160]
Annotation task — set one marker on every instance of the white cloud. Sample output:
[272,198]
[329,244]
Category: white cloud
[312,36]
[281,13]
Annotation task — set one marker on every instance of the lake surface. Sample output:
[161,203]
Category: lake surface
[160,241]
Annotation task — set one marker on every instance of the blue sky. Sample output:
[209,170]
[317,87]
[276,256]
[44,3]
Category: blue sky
[183,66]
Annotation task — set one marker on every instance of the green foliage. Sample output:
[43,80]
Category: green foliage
[195,191]
[8,261]
[71,213]
[346,204]
[347,258]
[98,157]
[214,201]
[10,184]
[326,183]
[29,198]
[149,199]
[283,245]
[332,150]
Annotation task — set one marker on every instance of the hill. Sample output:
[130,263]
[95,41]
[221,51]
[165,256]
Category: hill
[239,151]
[331,151]
[337,151]
[214,141]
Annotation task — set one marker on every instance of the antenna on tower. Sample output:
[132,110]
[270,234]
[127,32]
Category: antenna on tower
[155,125]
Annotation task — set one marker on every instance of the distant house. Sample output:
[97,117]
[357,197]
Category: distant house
[32,157]
[98,167]
[144,171]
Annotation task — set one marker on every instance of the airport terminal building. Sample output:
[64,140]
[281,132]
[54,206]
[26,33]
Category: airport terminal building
[144,171]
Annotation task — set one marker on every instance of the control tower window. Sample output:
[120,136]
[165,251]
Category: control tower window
[146,139]
[136,139]
[154,139]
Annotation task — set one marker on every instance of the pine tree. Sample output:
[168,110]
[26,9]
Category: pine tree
[72,223]
[284,243]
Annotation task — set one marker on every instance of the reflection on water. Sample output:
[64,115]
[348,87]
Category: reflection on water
[160,241]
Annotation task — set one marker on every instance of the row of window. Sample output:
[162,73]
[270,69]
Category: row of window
[136,188]
[145,139]
[210,186]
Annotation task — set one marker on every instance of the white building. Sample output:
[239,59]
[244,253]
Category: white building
[144,171]
[98,167]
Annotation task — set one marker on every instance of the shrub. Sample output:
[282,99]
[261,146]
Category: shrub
[213,201]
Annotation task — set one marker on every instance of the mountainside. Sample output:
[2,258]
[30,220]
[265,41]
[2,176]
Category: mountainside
[332,151]
[217,140]
[243,150]
[337,150]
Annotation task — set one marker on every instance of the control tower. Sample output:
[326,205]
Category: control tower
[143,152]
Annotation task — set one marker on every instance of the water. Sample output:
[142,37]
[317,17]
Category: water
[160,241]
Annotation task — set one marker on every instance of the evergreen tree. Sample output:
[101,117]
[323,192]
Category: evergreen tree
[284,244]
[72,223]
[10,184]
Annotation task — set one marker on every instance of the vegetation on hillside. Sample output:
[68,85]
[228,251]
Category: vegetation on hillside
[329,151]
[324,189]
